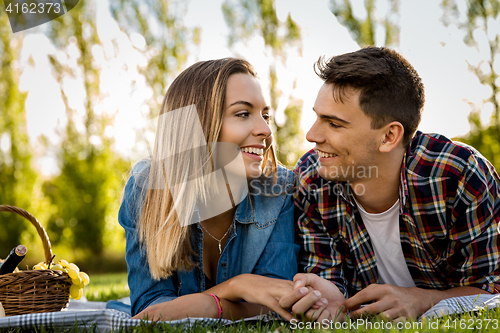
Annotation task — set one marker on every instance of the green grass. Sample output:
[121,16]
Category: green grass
[480,321]
[105,287]
[114,286]
[469,323]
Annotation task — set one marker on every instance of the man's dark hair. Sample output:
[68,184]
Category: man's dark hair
[390,88]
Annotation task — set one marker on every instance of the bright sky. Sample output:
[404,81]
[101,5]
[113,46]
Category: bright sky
[437,53]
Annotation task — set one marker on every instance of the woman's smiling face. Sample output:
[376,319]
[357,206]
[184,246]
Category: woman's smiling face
[246,121]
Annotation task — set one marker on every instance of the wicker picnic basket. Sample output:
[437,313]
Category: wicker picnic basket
[34,291]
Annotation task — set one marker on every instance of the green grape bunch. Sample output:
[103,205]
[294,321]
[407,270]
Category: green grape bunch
[78,278]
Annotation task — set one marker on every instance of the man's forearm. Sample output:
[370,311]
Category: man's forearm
[394,302]
[435,296]
[439,295]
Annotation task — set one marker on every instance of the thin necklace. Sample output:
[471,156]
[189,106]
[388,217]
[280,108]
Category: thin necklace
[218,240]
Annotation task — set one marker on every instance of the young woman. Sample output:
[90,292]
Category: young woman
[199,240]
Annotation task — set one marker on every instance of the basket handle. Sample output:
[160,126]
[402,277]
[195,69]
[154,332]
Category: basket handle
[39,228]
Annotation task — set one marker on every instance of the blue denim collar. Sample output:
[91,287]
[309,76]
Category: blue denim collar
[245,212]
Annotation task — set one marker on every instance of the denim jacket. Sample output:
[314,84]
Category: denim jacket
[260,242]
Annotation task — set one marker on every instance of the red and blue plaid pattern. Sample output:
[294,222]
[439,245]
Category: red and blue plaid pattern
[449,220]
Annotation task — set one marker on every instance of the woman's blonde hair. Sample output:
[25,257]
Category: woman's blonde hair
[180,156]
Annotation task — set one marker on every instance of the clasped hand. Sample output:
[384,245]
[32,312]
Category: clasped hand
[308,297]
[314,298]
[321,299]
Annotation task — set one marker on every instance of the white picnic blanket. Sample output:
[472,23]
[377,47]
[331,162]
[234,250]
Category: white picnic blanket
[106,320]
[91,314]
[462,304]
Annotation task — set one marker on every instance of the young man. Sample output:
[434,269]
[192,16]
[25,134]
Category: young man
[389,217]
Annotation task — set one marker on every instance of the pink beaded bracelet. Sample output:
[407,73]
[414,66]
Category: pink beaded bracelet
[219,305]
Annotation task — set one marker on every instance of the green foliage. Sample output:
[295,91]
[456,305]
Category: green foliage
[17,177]
[486,139]
[248,17]
[363,29]
[289,136]
[478,16]
[160,23]
[85,195]
[292,30]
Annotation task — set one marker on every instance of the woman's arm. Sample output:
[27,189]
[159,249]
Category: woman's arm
[200,305]
[144,290]
[192,306]
[272,274]
[251,288]
[261,290]
[261,294]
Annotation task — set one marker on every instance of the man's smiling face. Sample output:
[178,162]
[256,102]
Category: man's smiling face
[346,143]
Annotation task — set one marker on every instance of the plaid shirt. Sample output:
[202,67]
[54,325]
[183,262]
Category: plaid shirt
[449,221]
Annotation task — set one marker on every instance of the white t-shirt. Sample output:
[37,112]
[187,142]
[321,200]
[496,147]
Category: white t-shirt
[383,229]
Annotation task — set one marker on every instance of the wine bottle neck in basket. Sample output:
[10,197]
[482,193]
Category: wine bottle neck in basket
[14,258]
